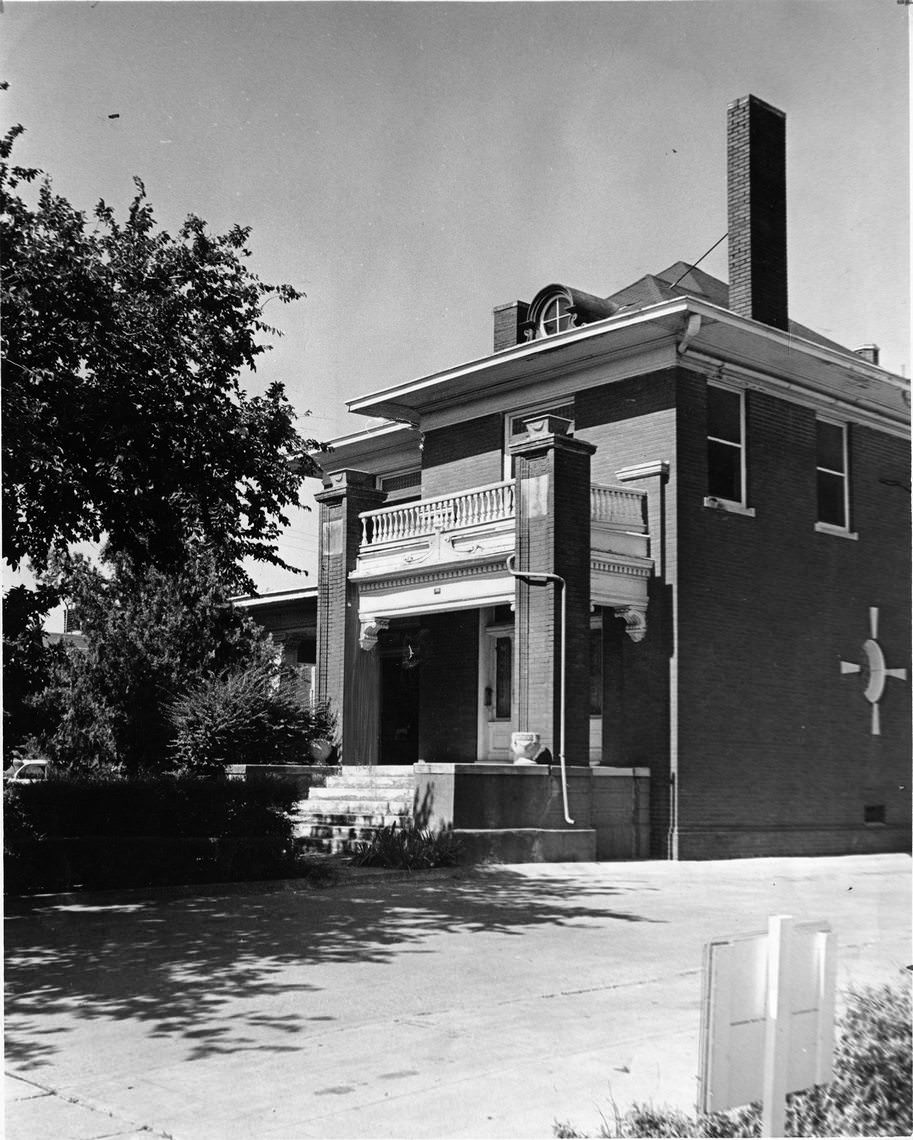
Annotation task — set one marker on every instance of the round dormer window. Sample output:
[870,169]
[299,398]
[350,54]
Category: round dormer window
[556,316]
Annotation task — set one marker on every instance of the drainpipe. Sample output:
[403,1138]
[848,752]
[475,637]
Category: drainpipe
[532,576]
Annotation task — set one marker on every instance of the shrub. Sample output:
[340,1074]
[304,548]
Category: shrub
[870,1094]
[244,717]
[408,848]
[91,832]
[167,806]
[149,636]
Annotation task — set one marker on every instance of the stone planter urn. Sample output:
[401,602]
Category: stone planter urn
[524,746]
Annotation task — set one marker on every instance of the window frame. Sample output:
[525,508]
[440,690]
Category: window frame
[562,320]
[542,408]
[740,505]
[820,525]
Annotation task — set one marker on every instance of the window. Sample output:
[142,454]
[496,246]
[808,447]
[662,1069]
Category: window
[833,485]
[556,316]
[725,444]
[402,486]
[504,653]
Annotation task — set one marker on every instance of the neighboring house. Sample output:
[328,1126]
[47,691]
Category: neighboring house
[724,496]
[290,616]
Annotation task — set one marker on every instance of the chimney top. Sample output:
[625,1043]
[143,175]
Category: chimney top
[756,167]
[869,352]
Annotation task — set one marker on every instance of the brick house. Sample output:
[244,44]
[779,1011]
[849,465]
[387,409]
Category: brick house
[667,531]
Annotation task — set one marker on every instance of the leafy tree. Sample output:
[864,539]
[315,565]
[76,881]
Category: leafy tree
[124,417]
[243,717]
[150,636]
[123,348]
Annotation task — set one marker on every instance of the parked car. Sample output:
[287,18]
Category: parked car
[26,772]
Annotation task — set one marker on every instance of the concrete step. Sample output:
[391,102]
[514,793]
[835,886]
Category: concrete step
[404,770]
[345,819]
[345,780]
[337,845]
[401,803]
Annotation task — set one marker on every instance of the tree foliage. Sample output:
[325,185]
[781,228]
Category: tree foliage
[243,716]
[149,637]
[123,350]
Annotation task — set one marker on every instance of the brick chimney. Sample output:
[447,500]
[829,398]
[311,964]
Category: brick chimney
[756,159]
[509,324]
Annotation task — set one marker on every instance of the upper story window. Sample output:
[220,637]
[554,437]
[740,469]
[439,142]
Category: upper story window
[556,316]
[833,483]
[401,486]
[515,427]
[726,445]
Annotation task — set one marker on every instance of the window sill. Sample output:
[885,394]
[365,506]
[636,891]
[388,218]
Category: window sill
[729,507]
[839,531]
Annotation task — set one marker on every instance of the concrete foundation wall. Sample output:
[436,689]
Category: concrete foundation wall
[613,803]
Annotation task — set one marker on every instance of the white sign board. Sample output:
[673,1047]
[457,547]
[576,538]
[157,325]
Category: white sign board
[767,1014]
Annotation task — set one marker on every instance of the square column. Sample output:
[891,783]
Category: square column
[348,676]
[553,537]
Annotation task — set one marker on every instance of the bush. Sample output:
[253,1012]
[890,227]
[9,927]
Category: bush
[244,717]
[408,848]
[86,831]
[870,1094]
[168,806]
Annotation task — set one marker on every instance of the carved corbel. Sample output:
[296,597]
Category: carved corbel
[371,629]
[635,621]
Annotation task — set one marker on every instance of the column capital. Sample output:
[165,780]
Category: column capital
[549,433]
[342,484]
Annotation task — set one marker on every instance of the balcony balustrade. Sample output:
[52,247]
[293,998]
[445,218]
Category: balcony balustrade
[450,552]
[620,508]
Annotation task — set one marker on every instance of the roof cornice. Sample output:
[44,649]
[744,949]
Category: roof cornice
[700,328]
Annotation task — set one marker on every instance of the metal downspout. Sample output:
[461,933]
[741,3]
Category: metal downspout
[541,576]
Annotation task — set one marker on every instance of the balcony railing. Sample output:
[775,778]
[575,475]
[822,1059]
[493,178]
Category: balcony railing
[619,507]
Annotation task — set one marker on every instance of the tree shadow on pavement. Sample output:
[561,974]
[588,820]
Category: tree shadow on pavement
[219,973]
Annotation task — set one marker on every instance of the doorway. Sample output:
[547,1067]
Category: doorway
[399,710]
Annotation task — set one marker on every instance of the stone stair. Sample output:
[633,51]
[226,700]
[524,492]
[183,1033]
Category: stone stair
[353,805]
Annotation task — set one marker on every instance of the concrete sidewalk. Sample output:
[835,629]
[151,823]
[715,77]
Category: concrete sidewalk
[486,1003]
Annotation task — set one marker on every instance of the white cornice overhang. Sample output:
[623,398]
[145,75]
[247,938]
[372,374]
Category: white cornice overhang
[707,337]
[527,363]
[721,344]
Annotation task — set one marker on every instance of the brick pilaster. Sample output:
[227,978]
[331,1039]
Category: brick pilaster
[553,536]
[347,675]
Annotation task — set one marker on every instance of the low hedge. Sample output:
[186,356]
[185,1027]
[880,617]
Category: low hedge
[69,832]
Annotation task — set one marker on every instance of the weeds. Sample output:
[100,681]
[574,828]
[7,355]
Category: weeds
[408,848]
[870,1094]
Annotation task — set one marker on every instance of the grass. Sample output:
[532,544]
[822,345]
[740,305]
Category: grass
[871,1093]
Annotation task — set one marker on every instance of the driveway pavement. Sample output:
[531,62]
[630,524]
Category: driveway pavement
[485,1003]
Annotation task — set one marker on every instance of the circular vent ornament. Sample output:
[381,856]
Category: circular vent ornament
[873,669]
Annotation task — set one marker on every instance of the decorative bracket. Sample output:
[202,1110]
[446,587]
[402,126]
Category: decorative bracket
[635,621]
[371,629]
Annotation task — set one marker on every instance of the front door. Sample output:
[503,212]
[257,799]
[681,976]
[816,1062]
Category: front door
[399,704]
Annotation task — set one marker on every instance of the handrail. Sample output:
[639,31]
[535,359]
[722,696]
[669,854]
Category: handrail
[493,502]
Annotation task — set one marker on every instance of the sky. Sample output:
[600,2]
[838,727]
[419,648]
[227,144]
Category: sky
[410,165]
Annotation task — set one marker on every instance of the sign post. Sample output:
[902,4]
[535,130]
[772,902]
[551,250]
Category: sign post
[767,1018]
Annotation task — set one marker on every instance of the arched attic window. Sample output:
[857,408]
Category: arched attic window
[556,308]
[556,316]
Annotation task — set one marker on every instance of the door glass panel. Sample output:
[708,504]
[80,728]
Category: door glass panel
[503,671]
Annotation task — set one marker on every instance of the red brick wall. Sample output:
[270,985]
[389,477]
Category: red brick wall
[463,456]
[775,748]
[633,421]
